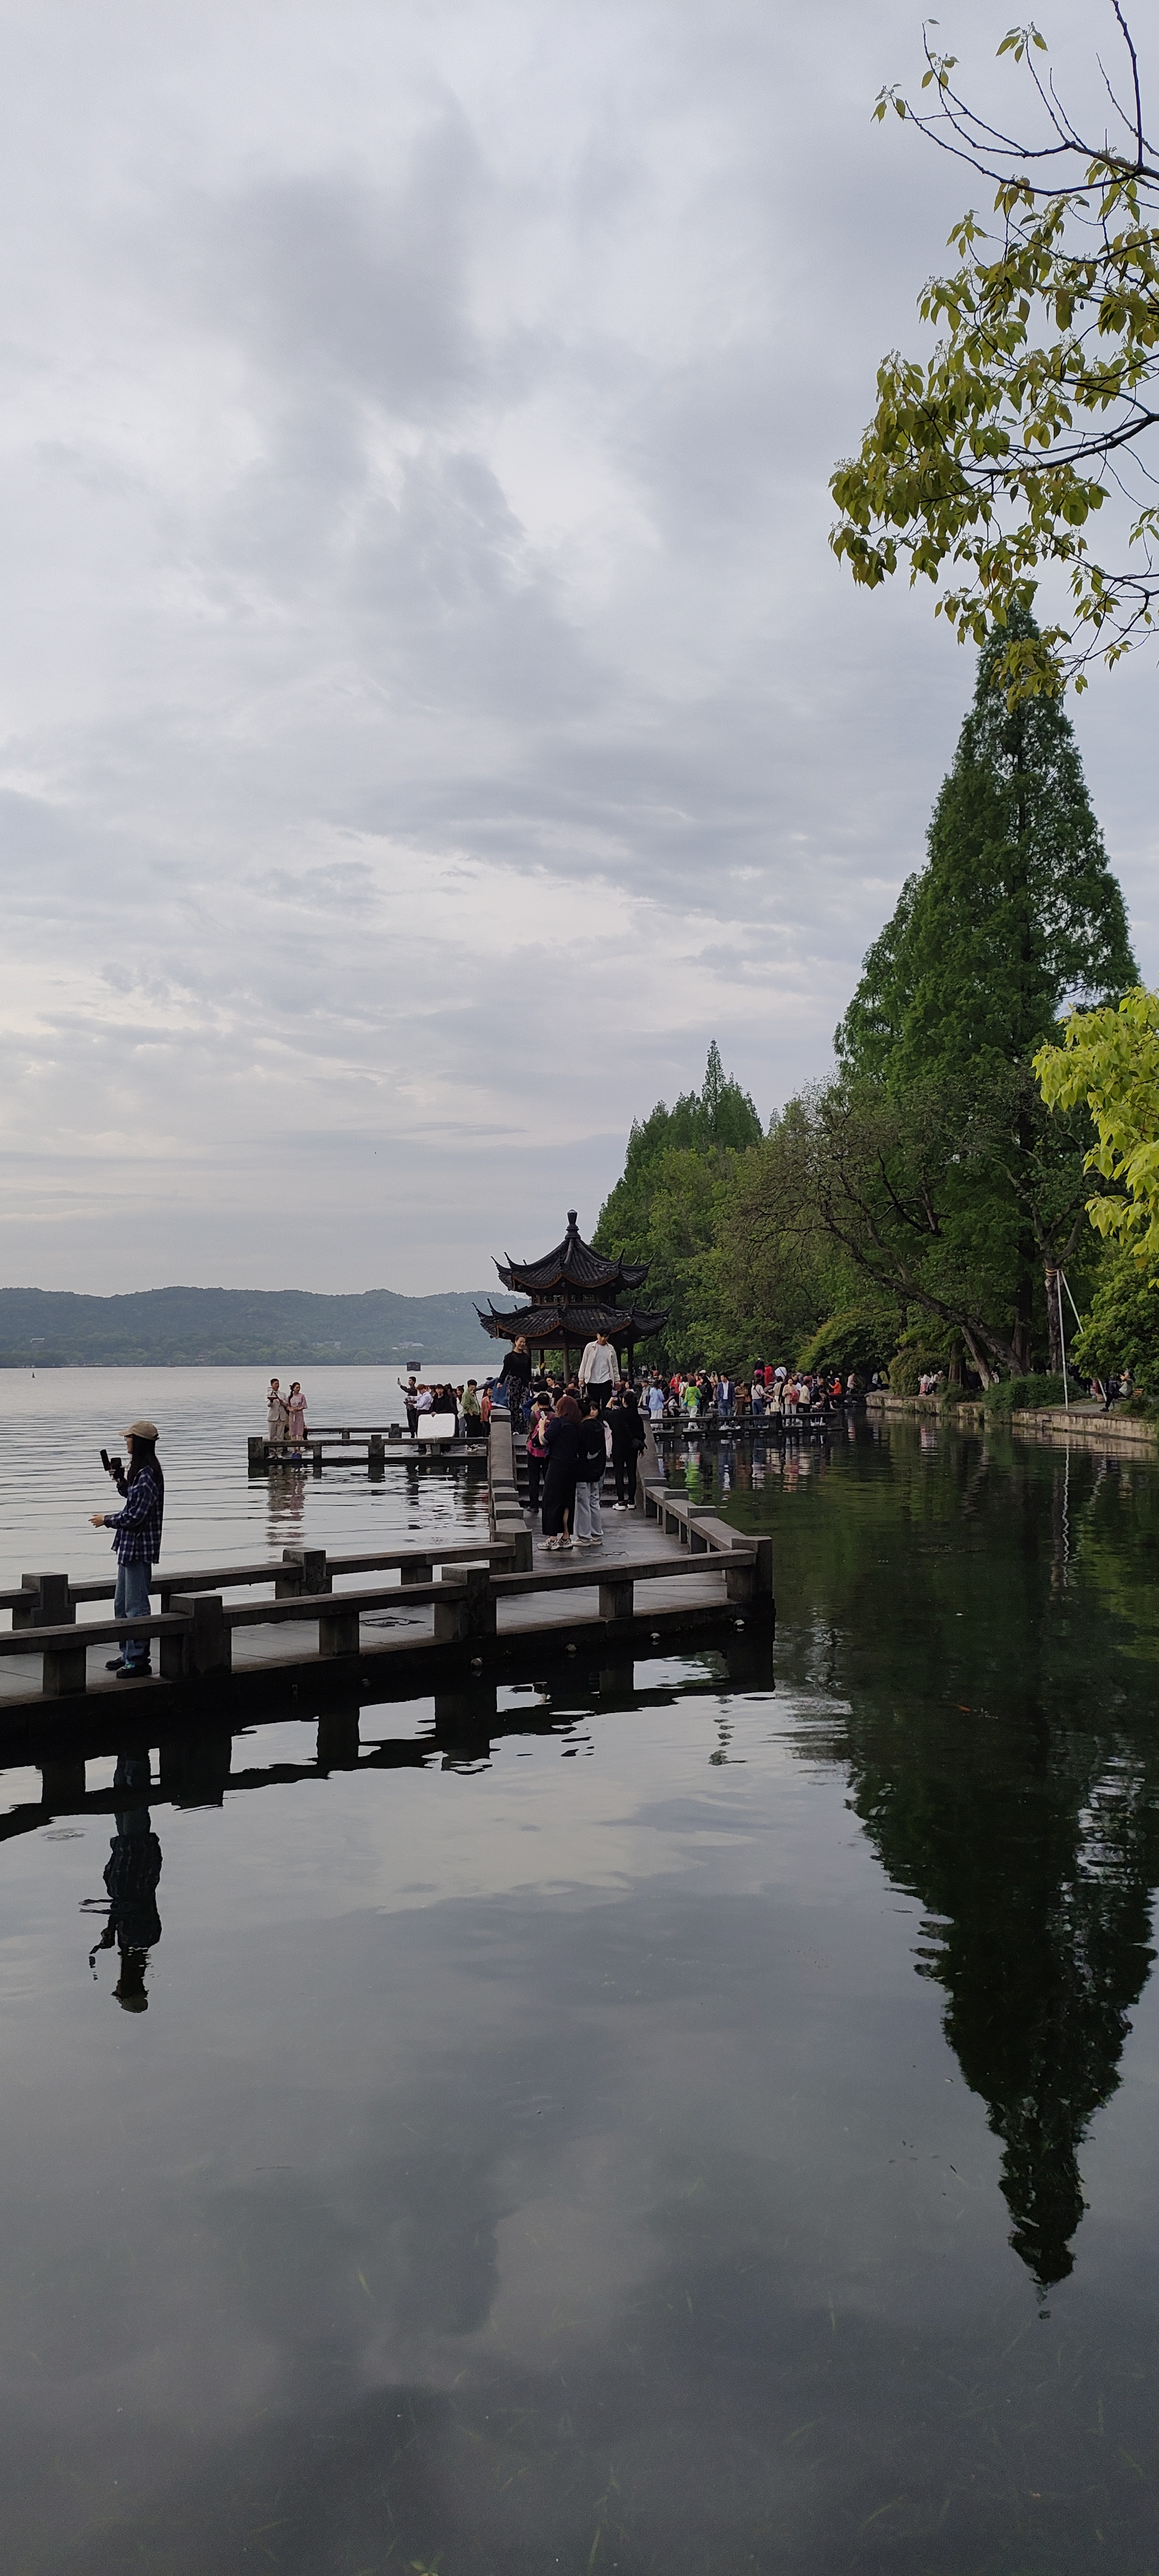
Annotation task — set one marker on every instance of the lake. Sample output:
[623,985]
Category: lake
[676,2126]
[57,1423]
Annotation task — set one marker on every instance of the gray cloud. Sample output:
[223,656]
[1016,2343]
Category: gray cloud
[431,711]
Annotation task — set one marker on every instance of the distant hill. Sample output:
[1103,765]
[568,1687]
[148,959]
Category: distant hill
[238,1327]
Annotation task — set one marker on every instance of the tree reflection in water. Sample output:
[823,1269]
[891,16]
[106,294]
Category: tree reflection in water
[1003,1757]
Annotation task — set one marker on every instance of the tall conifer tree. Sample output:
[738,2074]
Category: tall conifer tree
[1016,915]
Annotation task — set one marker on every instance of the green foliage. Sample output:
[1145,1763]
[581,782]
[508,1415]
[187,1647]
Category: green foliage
[1122,1328]
[666,1208]
[860,1337]
[922,1346]
[1025,1394]
[1109,1063]
[779,1275]
[1017,911]
[927,1192]
[718,1118]
[995,456]
[942,1171]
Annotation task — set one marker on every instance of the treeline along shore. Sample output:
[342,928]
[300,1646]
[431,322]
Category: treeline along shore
[235,1328]
[937,1205]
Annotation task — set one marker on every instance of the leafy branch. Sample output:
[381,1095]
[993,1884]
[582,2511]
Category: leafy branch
[987,463]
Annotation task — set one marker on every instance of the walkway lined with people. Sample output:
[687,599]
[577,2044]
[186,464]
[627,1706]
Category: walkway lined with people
[578,1438]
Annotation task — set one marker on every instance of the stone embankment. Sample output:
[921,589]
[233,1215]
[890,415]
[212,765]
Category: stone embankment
[1082,1420]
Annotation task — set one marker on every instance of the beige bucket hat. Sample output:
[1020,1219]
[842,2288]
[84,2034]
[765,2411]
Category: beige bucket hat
[140,1431]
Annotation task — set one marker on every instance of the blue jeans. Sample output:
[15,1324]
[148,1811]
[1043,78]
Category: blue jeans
[132,1602]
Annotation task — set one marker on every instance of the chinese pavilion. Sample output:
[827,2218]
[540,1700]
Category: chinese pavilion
[574,1294]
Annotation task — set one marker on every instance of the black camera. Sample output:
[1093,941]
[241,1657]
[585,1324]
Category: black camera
[112,1466]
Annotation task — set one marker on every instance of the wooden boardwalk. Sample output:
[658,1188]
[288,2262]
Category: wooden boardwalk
[666,1570]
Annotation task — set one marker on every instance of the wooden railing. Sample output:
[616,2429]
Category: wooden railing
[195,1625]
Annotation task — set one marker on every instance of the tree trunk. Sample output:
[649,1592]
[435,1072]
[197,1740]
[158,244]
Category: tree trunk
[988,1375]
[1024,1312]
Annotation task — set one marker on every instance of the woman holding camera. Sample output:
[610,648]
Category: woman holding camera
[136,1540]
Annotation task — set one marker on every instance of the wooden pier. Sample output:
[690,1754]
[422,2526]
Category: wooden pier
[372,1444]
[667,1570]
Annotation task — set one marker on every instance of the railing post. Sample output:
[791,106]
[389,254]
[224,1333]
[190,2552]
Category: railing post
[255,1455]
[416,1569]
[376,1457]
[763,1584]
[52,1605]
[309,1573]
[64,1671]
[171,1645]
[338,1630]
[616,1598]
[480,1602]
[208,1643]
[26,1617]
[451,1618]
[740,1580]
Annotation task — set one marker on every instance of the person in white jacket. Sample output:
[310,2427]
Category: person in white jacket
[599,1370]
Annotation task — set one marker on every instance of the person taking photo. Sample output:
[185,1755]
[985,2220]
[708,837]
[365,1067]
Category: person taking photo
[136,1540]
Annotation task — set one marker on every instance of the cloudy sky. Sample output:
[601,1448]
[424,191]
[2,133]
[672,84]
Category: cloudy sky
[430,711]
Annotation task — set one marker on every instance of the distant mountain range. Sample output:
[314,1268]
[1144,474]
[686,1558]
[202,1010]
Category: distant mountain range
[238,1328]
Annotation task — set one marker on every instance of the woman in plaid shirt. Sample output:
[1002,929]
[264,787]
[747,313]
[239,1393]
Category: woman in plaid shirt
[136,1541]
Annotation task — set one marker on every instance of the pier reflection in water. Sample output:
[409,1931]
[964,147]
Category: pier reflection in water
[668,2117]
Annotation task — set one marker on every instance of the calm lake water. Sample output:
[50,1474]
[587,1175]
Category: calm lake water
[649,2122]
[57,1423]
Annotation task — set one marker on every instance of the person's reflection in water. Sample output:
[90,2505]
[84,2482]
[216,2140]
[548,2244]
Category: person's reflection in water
[131,1874]
[286,1501]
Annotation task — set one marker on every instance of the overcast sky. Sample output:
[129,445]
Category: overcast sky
[430,710]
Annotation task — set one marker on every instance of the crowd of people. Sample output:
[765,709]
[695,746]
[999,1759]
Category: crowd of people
[575,1429]
[769,1396]
[451,1411]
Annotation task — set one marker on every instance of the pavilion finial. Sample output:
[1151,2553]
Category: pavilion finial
[572,1221]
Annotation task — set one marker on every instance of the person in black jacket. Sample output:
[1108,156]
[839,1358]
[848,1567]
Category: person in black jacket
[627,1443]
[561,1441]
[515,1378]
[593,1459]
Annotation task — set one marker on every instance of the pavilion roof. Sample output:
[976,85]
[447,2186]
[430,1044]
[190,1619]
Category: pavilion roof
[570,1320]
[572,1267]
